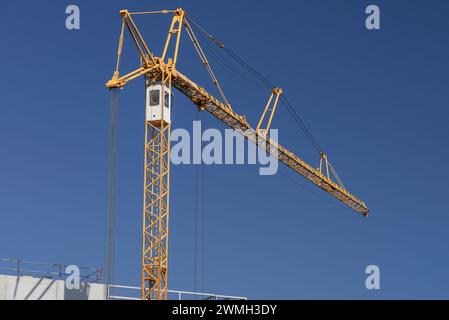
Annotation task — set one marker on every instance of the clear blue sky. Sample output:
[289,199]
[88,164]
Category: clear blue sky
[377,101]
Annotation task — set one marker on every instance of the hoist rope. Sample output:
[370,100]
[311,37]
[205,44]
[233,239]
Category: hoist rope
[300,123]
[110,214]
[336,176]
[195,230]
[203,228]
[205,61]
[300,184]
[199,222]
[222,61]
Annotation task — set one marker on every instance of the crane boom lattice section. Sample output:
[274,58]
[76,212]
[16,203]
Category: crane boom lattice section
[224,113]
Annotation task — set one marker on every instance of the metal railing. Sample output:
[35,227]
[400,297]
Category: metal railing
[55,271]
[172,294]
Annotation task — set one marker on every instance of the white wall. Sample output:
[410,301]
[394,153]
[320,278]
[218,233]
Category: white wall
[29,288]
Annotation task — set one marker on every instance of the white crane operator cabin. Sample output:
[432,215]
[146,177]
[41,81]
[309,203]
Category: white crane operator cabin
[158,106]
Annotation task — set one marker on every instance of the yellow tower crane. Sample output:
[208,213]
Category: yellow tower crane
[161,76]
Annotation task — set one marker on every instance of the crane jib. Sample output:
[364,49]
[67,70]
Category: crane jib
[224,113]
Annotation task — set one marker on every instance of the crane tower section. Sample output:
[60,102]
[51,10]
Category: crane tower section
[156,190]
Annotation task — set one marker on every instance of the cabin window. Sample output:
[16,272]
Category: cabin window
[154,98]
[167,99]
